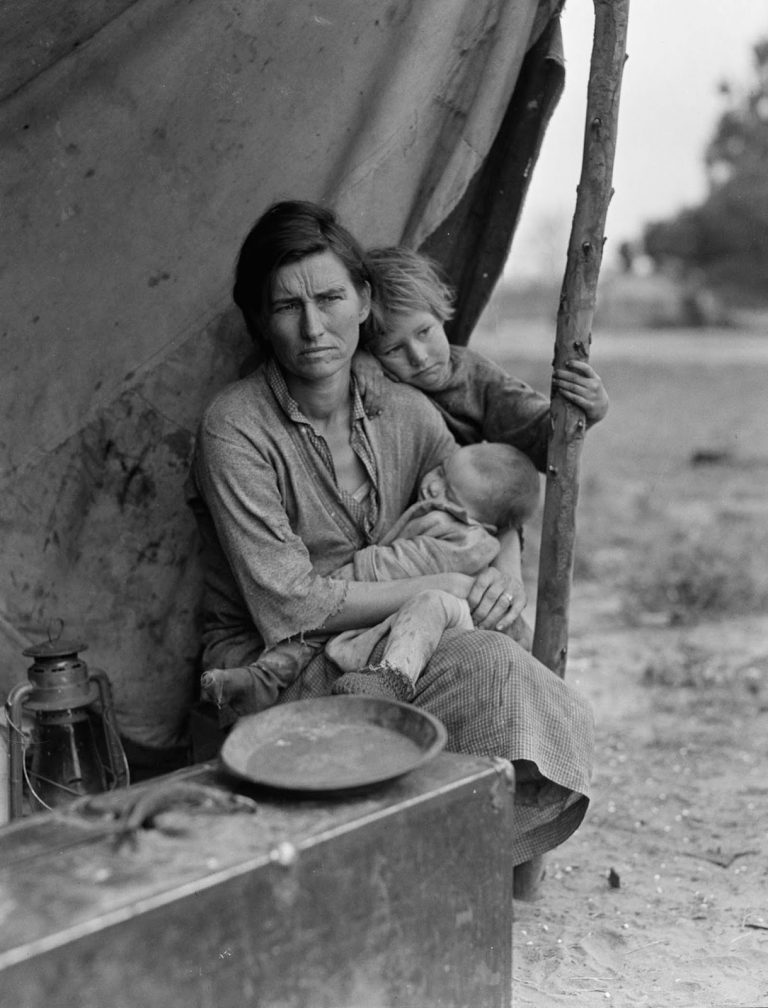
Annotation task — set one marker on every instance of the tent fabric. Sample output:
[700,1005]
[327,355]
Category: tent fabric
[140,141]
[473,242]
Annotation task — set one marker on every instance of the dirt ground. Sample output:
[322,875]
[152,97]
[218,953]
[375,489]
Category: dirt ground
[661,897]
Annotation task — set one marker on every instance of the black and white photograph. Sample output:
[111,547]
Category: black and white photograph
[384,504]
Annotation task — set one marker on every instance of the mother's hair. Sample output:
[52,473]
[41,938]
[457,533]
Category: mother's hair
[285,232]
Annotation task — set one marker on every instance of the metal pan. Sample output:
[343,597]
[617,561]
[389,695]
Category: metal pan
[332,743]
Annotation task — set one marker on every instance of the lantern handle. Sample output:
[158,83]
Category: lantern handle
[118,764]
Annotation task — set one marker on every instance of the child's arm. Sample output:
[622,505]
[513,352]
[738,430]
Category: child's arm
[580,384]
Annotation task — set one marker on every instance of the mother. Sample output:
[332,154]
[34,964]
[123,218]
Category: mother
[292,480]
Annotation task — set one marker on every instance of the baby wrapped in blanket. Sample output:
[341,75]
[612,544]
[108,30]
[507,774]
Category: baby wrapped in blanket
[478,491]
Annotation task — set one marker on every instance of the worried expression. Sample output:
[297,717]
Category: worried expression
[315,312]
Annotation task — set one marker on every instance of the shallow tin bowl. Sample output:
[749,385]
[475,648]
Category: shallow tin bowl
[332,743]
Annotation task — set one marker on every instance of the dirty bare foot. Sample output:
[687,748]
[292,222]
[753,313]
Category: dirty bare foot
[232,687]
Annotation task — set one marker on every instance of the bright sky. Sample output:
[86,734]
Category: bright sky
[679,50]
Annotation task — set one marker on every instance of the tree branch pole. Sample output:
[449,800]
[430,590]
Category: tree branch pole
[573,334]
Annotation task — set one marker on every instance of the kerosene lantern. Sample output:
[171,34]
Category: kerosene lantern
[70,745]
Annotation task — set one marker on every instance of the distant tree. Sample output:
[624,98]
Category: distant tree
[724,241]
[740,143]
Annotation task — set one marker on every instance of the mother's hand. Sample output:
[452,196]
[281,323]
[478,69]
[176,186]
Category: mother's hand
[495,599]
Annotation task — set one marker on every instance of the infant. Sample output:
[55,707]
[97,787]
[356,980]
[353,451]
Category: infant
[487,484]
[478,490]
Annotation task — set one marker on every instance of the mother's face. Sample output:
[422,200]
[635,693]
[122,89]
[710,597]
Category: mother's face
[315,313]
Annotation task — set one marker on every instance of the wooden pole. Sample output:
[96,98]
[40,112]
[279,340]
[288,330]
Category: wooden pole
[573,335]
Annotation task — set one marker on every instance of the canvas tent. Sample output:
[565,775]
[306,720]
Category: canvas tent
[140,141]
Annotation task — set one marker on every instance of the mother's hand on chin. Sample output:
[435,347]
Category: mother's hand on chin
[495,600]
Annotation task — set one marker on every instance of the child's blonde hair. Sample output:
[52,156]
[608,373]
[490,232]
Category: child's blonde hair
[404,281]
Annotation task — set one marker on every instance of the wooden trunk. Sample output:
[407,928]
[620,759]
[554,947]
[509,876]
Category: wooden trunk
[398,897]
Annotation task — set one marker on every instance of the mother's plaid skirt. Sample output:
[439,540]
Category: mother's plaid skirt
[496,700]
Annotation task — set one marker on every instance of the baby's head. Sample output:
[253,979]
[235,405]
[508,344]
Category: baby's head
[410,304]
[495,483]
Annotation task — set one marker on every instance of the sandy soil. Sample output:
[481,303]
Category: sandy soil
[661,897]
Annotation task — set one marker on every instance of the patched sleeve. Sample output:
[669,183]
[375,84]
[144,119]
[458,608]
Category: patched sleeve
[284,594]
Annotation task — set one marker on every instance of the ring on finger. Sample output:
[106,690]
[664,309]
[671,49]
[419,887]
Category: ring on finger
[510,600]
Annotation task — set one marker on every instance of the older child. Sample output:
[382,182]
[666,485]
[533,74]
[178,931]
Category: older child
[478,399]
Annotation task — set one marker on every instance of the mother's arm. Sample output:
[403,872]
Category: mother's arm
[487,594]
[496,562]
[435,541]
[368,602]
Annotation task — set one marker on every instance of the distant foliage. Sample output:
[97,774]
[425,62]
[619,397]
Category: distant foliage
[723,243]
[692,575]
